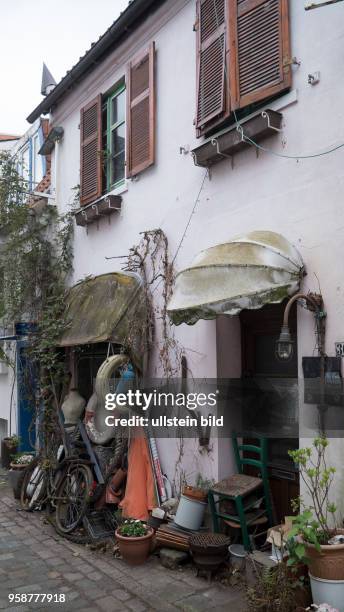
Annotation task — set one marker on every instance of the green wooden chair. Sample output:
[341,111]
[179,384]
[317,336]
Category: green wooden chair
[241,491]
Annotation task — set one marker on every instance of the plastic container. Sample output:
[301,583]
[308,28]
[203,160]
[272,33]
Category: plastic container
[238,556]
[190,513]
[329,591]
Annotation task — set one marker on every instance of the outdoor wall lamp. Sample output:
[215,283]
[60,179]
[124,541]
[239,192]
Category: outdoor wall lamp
[285,344]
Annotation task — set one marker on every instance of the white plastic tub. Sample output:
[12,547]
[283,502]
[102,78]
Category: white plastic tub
[190,513]
[237,556]
[328,591]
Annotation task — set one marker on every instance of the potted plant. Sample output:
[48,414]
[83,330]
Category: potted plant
[18,466]
[134,540]
[317,541]
[9,447]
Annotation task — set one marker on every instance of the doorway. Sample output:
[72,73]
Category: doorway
[270,398]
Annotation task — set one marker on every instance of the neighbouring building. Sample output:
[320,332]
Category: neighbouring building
[205,119]
[7,141]
[15,410]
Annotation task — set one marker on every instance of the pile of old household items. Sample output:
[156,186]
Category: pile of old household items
[109,479]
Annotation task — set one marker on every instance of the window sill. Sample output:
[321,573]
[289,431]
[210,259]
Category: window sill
[122,188]
[229,141]
[103,207]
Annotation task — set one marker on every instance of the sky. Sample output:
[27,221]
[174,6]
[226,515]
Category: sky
[33,31]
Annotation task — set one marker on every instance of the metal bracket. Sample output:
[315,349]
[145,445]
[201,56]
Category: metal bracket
[239,129]
[266,116]
[215,143]
[194,155]
[108,202]
[95,207]
[291,61]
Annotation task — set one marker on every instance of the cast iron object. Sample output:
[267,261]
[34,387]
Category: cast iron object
[209,550]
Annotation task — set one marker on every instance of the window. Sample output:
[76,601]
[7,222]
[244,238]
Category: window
[117,134]
[243,56]
[114,161]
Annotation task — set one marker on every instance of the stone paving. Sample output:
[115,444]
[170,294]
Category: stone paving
[33,559]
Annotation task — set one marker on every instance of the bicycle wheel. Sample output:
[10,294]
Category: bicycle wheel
[73,496]
[34,486]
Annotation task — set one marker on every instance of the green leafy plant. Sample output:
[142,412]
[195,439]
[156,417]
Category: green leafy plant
[315,521]
[274,590]
[132,528]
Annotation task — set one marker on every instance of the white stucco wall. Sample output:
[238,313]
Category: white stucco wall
[302,199]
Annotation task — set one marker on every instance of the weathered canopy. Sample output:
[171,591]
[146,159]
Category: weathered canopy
[258,268]
[110,307]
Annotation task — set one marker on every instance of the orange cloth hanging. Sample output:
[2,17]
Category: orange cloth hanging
[140,491]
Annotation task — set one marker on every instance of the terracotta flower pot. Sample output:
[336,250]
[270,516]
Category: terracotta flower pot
[327,564]
[135,550]
[195,493]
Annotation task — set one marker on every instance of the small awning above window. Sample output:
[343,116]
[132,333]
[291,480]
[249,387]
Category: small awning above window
[259,268]
[107,308]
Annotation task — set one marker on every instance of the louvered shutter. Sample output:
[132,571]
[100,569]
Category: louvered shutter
[140,112]
[260,35]
[90,154]
[212,48]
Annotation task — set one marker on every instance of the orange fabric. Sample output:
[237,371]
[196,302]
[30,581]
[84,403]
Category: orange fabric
[140,492]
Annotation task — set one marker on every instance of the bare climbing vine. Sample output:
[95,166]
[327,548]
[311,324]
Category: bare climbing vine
[150,259]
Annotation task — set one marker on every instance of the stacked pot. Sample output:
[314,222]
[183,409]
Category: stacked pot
[326,572]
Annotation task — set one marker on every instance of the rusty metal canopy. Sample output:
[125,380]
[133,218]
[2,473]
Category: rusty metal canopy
[258,268]
[110,307]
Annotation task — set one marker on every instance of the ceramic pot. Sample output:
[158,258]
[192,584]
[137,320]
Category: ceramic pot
[331,591]
[328,563]
[135,550]
[72,407]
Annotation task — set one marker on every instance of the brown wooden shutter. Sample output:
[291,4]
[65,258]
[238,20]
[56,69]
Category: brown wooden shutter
[141,112]
[259,31]
[212,49]
[90,154]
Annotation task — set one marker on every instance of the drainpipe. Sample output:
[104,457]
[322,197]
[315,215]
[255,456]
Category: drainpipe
[56,166]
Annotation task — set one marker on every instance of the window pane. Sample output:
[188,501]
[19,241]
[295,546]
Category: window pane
[117,164]
[118,139]
[118,108]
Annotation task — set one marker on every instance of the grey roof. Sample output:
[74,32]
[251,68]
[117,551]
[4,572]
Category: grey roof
[47,79]
[136,12]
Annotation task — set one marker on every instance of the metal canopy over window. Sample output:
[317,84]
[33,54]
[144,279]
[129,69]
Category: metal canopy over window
[258,268]
[107,308]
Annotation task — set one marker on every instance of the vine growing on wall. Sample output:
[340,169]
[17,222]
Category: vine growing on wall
[150,259]
[35,262]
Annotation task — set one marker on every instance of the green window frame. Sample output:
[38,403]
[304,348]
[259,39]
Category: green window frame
[115,138]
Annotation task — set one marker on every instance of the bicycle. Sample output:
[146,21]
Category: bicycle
[63,485]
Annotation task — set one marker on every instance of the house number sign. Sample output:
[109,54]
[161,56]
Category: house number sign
[339,349]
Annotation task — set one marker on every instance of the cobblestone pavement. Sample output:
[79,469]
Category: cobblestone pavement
[33,559]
